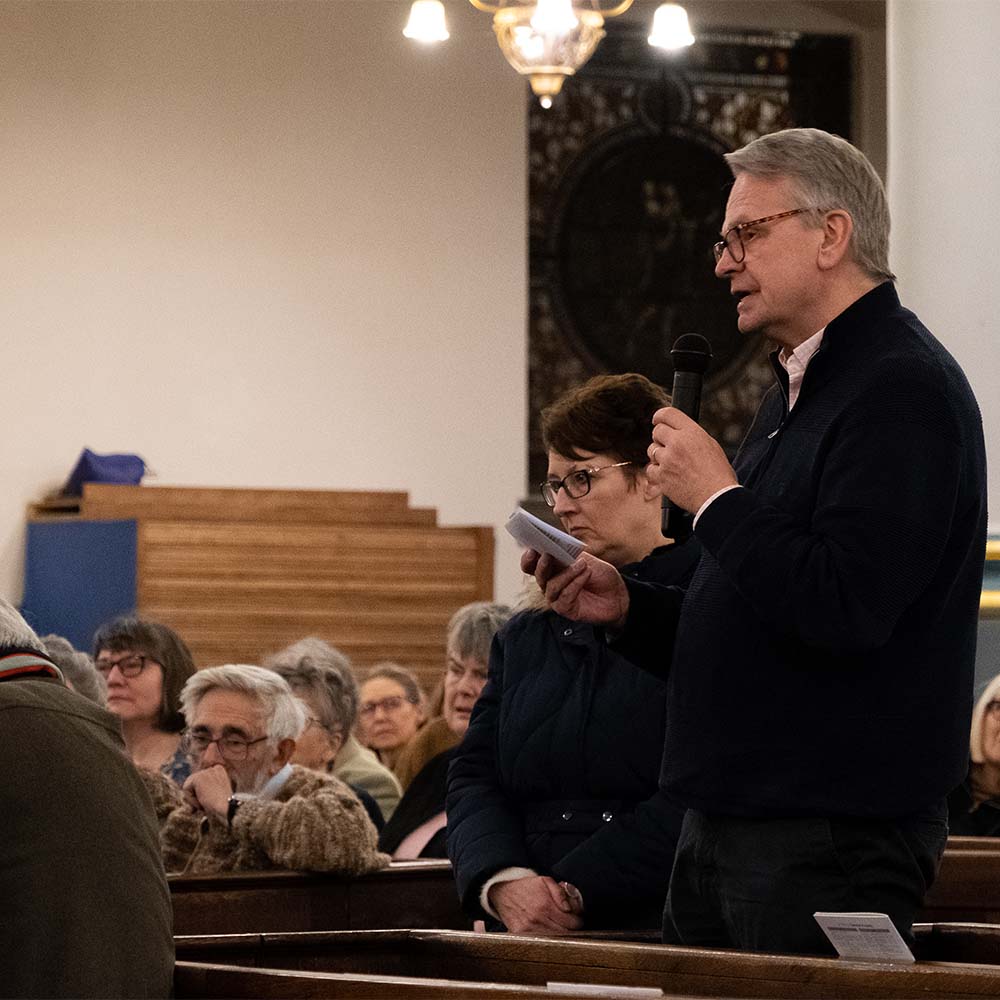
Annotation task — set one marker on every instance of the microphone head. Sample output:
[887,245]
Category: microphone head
[691,353]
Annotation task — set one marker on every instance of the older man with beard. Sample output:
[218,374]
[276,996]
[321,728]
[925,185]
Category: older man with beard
[245,806]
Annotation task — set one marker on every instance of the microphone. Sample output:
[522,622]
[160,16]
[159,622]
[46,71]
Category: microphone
[691,356]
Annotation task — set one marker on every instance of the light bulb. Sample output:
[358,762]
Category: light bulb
[670,27]
[554,17]
[426,23]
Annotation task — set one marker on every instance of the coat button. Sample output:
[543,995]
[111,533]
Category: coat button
[567,632]
[607,817]
[567,816]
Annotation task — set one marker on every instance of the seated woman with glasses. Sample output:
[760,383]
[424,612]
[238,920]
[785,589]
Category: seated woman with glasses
[392,709]
[145,665]
[555,819]
[974,807]
[322,679]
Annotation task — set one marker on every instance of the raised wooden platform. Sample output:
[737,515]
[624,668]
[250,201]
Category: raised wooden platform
[241,573]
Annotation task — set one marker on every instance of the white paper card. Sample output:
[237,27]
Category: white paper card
[599,990]
[864,937]
[533,533]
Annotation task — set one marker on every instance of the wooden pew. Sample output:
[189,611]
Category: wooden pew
[959,942]
[530,961]
[421,894]
[407,894]
[203,981]
[967,887]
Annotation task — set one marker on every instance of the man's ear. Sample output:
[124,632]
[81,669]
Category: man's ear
[837,229]
[283,753]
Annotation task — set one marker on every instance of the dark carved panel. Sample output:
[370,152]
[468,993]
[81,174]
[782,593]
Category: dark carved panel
[627,192]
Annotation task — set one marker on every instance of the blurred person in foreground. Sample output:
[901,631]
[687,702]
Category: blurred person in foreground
[820,682]
[974,806]
[555,820]
[86,906]
[245,807]
[144,665]
[418,828]
[322,678]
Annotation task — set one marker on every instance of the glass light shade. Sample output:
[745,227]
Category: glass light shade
[546,58]
[670,27]
[426,23]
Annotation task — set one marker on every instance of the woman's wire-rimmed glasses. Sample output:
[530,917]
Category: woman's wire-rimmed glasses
[732,239]
[576,484]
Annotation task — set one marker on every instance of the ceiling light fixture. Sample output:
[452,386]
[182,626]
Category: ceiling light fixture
[549,40]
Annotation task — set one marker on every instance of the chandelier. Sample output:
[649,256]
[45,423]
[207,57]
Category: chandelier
[549,40]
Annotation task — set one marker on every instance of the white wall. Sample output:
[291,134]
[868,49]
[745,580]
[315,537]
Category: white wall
[262,244]
[944,151]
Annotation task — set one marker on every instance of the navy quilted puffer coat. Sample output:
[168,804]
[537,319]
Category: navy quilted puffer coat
[559,769]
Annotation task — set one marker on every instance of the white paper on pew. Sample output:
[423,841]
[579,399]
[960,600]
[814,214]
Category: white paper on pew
[533,533]
[599,990]
[864,937]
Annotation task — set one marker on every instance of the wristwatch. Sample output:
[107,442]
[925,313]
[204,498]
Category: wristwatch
[231,807]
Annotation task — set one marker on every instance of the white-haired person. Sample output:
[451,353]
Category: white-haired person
[974,807]
[322,678]
[418,828]
[245,806]
[86,904]
[77,668]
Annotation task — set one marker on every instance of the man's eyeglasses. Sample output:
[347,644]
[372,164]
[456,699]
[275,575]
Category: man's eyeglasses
[392,704]
[129,666]
[576,484]
[231,747]
[735,239]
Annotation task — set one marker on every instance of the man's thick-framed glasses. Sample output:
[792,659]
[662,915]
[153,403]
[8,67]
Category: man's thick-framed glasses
[576,484]
[231,747]
[129,666]
[391,704]
[733,238]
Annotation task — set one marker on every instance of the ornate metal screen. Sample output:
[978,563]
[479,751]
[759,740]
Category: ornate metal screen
[627,191]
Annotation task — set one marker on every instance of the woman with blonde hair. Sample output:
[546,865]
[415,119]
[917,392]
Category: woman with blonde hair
[974,807]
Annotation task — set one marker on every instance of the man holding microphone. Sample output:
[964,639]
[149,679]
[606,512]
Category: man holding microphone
[820,684]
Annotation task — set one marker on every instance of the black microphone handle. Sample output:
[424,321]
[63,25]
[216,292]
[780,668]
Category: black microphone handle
[685,396]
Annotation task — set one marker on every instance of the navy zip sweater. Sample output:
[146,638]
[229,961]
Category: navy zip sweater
[824,657]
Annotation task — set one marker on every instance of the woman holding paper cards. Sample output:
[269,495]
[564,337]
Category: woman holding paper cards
[555,820]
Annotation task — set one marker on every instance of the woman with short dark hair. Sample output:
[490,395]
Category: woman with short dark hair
[145,665]
[555,819]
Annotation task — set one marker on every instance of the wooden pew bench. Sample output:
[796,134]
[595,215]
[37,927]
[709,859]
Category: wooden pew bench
[532,962]
[968,885]
[421,894]
[407,894]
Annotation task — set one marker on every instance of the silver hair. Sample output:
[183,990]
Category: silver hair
[472,627]
[78,668]
[15,632]
[827,172]
[313,667]
[283,714]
